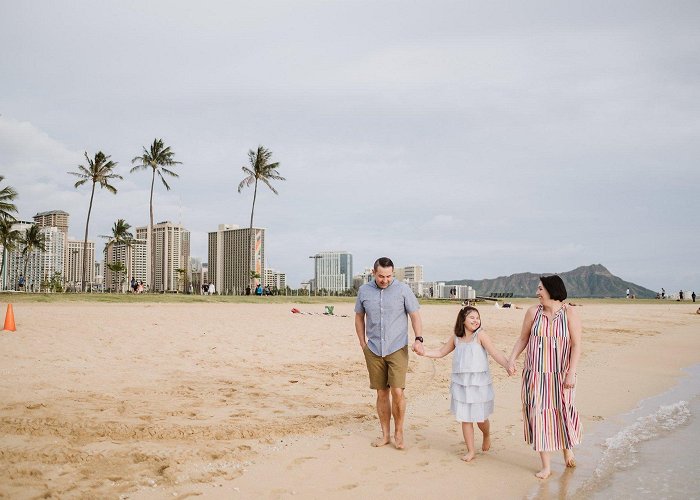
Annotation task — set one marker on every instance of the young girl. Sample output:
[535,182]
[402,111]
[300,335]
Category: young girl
[471,388]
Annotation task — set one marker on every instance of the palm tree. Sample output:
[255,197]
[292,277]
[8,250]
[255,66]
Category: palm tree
[98,171]
[33,239]
[122,235]
[157,158]
[260,170]
[7,195]
[8,239]
[117,268]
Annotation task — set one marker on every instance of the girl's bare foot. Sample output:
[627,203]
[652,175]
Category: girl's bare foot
[468,457]
[398,441]
[486,444]
[543,474]
[569,458]
[380,441]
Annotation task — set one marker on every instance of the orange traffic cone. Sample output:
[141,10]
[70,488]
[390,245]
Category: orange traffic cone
[9,319]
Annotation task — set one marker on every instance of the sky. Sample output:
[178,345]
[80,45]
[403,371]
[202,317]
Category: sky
[477,139]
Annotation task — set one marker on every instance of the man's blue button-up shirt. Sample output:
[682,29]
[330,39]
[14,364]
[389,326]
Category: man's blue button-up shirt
[386,310]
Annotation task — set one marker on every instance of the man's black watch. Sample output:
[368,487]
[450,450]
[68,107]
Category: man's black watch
[420,339]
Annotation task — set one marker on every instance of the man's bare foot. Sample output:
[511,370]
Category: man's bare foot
[569,458]
[486,444]
[468,457]
[398,441]
[543,474]
[380,441]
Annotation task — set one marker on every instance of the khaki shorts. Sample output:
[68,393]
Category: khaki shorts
[387,371]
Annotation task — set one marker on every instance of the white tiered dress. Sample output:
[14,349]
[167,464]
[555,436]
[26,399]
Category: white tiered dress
[471,387]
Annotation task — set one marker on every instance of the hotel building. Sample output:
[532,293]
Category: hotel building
[132,257]
[172,257]
[233,252]
[73,271]
[333,271]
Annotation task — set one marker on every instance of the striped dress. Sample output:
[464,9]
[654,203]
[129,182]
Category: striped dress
[550,418]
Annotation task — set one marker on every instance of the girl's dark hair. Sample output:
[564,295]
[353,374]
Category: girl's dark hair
[459,324]
[554,286]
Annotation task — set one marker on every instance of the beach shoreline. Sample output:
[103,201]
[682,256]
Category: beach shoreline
[220,399]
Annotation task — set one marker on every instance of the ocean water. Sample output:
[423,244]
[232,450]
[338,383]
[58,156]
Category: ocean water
[651,452]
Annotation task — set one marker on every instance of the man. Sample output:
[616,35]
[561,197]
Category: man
[381,325]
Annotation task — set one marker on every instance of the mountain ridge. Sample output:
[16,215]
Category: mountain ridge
[592,281]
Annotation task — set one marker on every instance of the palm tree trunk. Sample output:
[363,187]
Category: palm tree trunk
[152,241]
[127,265]
[2,268]
[252,237]
[26,281]
[87,225]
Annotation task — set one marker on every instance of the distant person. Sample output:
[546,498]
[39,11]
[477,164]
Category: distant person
[259,290]
[693,296]
[133,285]
[247,290]
[663,293]
[212,289]
[628,293]
[382,310]
[20,283]
[205,288]
[471,401]
[680,295]
[551,332]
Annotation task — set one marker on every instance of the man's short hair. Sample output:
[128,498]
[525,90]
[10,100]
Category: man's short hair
[383,262]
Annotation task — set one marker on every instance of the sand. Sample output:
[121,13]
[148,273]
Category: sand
[222,400]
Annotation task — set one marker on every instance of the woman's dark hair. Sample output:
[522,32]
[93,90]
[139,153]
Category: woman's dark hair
[554,286]
[383,262]
[459,324]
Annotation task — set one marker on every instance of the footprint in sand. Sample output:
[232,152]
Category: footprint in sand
[349,486]
[301,460]
[420,438]
[325,447]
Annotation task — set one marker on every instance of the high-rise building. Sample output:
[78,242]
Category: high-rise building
[333,271]
[73,271]
[132,257]
[172,256]
[60,220]
[53,218]
[232,254]
[413,273]
[274,279]
[37,267]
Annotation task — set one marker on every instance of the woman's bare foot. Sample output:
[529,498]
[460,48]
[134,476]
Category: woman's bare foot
[468,457]
[398,441]
[380,441]
[569,458]
[486,444]
[543,474]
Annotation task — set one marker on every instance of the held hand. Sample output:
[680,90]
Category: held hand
[511,367]
[418,348]
[570,380]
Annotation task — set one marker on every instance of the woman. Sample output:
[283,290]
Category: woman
[552,334]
